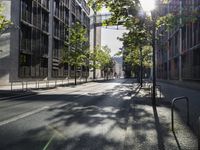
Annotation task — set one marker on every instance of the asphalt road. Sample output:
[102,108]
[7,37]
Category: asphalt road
[90,116]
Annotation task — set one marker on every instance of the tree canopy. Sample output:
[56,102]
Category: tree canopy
[102,58]
[3,21]
[139,25]
[76,48]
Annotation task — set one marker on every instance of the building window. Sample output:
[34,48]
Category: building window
[25,60]
[78,12]
[25,63]
[45,21]
[26,9]
[45,3]
[44,44]
[56,28]
[56,8]
[66,3]
[67,16]
[73,6]
[56,49]
[25,43]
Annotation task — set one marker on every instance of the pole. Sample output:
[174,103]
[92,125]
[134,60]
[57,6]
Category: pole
[95,38]
[180,48]
[141,71]
[154,62]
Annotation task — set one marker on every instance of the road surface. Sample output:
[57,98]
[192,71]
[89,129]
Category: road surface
[89,116]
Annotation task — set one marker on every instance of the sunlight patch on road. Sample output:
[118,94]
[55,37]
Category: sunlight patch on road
[110,109]
[102,116]
[127,98]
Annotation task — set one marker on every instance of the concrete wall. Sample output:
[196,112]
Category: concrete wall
[9,44]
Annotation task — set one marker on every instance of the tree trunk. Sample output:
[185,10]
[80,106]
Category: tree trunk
[107,75]
[75,76]
[141,67]
[86,78]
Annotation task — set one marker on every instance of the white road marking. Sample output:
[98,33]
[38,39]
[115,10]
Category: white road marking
[23,115]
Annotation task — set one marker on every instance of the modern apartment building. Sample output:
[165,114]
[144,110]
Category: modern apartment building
[178,50]
[32,49]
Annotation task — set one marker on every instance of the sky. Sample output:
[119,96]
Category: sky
[147,5]
[109,37]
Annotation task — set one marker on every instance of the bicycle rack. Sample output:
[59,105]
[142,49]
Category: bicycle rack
[172,109]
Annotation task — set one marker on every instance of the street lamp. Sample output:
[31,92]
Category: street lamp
[95,38]
[148,7]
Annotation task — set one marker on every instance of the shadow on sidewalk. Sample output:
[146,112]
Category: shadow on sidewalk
[154,118]
[160,139]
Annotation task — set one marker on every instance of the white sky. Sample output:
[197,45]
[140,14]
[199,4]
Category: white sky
[109,37]
[147,5]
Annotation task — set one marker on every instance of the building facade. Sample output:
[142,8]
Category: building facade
[32,49]
[178,50]
[118,66]
[95,40]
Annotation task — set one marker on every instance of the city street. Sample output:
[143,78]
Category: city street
[72,118]
[115,114]
[100,75]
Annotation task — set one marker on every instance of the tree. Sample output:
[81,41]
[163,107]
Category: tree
[128,13]
[121,10]
[103,60]
[4,23]
[75,52]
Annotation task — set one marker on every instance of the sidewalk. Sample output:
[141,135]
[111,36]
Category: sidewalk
[170,91]
[150,127]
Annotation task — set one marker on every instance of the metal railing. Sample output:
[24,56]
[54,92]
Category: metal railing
[29,84]
[172,109]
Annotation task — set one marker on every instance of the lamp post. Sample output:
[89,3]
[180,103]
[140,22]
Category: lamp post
[95,39]
[154,60]
[141,68]
[149,6]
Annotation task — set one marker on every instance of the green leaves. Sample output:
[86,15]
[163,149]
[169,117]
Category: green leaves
[75,51]
[140,26]
[3,21]
[101,57]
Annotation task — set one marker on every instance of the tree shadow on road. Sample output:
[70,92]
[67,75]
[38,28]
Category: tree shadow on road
[121,118]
